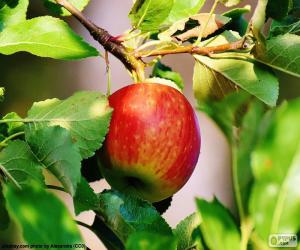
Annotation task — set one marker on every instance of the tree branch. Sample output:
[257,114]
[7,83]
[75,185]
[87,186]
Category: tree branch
[110,44]
[240,44]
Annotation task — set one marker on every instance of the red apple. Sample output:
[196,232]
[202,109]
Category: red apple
[153,143]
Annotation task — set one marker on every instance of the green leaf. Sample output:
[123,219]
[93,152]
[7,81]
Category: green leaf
[230,3]
[259,82]
[282,54]
[275,200]
[148,15]
[274,11]
[150,241]
[290,24]
[13,13]
[238,22]
[42,217]
[163,71]
[183,9]
[188,233]
[226,112]
[85,199]
[58,10]
[217,226]
[242,148]
[19,164]
[54,149]
[209,84]
[46,37]
[13,127]
[85,114]
[125,215]
[4,221]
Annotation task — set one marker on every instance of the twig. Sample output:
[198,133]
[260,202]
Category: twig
[193,50]
[135,66]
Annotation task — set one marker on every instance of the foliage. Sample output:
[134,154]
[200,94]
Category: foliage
[233,82]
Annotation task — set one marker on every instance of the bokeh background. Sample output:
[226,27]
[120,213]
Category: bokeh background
[28,78]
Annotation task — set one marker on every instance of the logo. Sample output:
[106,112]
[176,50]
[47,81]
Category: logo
[283,240]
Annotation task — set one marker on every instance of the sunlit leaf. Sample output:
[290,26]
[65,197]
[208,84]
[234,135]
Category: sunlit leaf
[13,127]
[209,84]
[12,13]
[282,53]
[58,10]
[46,37]
[183,9]
[148,15]
[85,114]
[217,226]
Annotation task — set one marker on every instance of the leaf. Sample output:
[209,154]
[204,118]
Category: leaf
[238,22]
[148,15]
[230,3]
[290,24]
[46,37]
[14,13]
[217,226]
[125,214]
[278,13]
[275,202]
[150,241]
[183,9]
[242,149]
[85,114]
[85,199]
[209,84]
[282,53]
[194,25]
[42,217]
[19,165]
[225,112]
[58,10]
[188,233]
[259,82]
[13,127]
[54,149]
[163,71]
[4,221]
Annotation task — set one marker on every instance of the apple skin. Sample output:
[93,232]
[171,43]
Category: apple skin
[153,143]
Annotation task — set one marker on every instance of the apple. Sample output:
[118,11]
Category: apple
[153,143]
